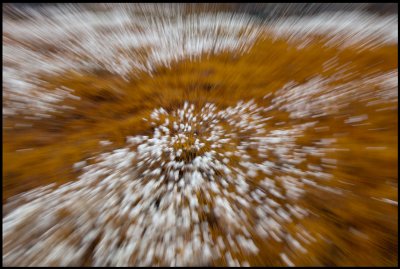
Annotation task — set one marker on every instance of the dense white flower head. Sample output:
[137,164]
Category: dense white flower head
[202,186]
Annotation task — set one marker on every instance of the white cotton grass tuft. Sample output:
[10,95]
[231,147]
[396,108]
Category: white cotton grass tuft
[342,29]
[133,38]
[193,191]
[122,39]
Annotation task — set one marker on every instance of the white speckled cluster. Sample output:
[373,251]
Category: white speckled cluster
[121,39]
[126,38]
[318,97]
[340,30]
[158,200]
